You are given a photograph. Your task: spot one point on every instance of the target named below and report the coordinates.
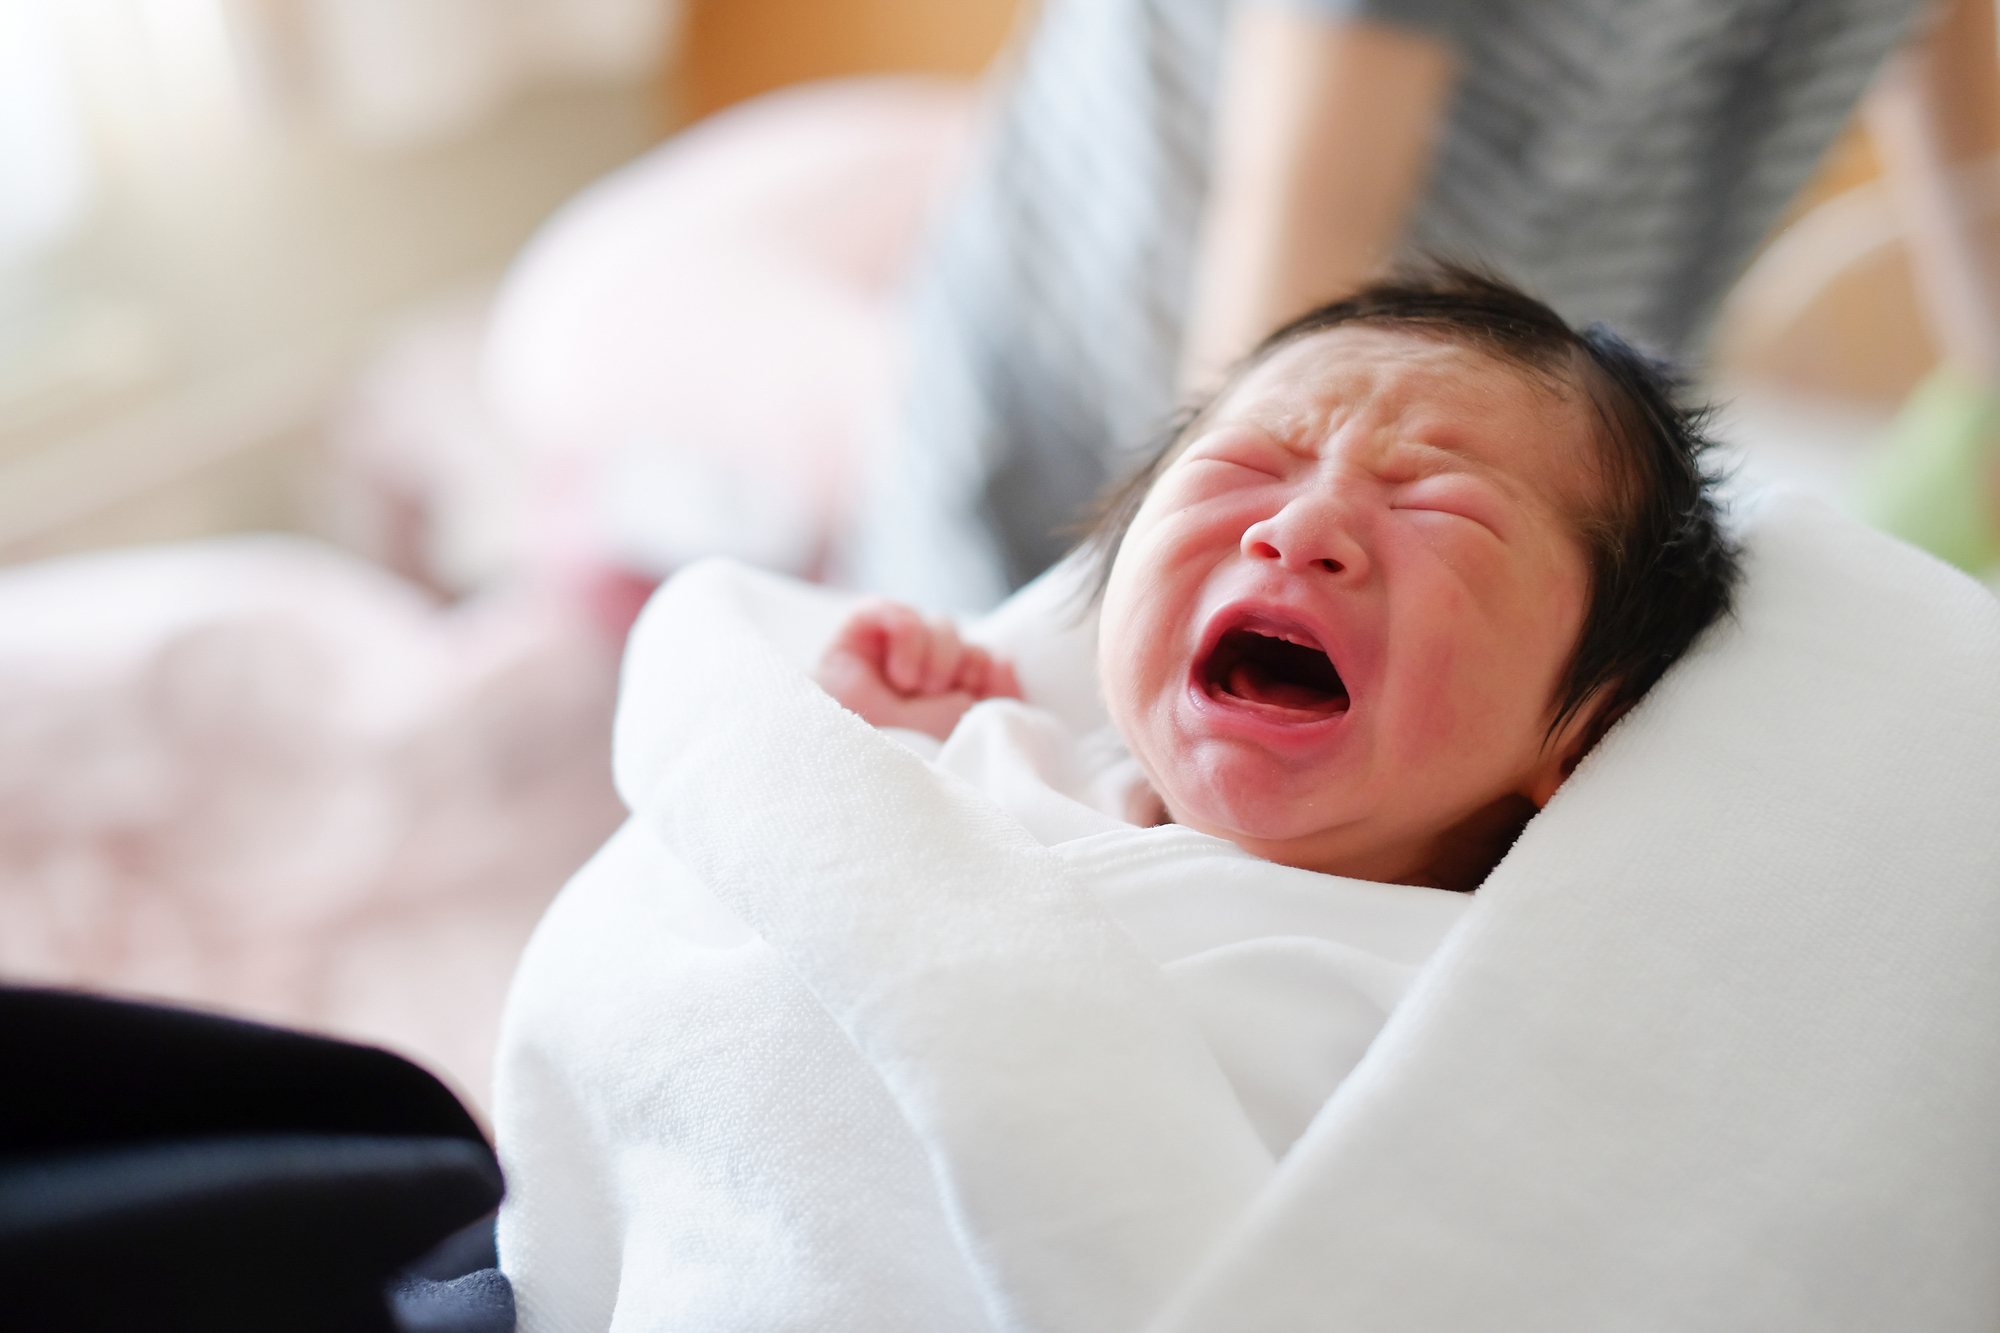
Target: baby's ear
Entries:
(1578, 738)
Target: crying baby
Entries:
(1361, 614)
(1368, 607)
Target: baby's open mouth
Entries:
(1274, 672)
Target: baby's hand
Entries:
(897, 669)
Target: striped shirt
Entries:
(1621, 159)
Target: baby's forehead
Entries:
(1423, 387)
(1418, 372)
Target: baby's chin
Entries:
(1236, 790)
(1306, 838)
(1457, 858)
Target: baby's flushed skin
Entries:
(1352, 614)
(1336, 627)
(897, 669)
(1396, 507)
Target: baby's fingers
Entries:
(976, 669)
(1001, 683)
(970, 676)
(947, 658)
(907, 648)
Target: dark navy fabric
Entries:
(464, 1251)
(167, 1170)
(479, 1302)
(457, 1287)
(87, 1071)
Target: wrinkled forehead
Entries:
(1537, 426)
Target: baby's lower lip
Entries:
(1237, 697)
(1295, 735)
(1267, 710)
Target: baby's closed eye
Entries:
(1250, 450)
(1453, 496)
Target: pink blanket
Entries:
(258, 775)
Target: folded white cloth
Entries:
(1284, 977)
(1287, 974)
(826, 1039)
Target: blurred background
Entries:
(364, 363)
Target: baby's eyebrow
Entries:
(1302, 427)
(1291, 432)
(1299, 436)
(1287, 423)
(1433, 458)
(1441, 457)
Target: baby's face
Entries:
(1335, 629)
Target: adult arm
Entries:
(1935, 113)
(1935, 117)
(1324, 132)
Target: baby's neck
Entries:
(1458, 859)
(1463, 856)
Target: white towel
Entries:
(824, 1039)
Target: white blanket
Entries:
(826, 1040)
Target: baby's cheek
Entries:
(1434, 706)
(1467, 700)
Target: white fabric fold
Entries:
(1088, 1146)
(826, 1039)
(1719, 1045)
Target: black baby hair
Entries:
(1662, 567)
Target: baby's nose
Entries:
(1307, 534)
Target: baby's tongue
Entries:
(1251, 681)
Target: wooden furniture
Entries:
(734, 49)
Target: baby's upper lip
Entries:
(1275, 619)
(1278, 621)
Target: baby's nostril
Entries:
(1329, 565)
